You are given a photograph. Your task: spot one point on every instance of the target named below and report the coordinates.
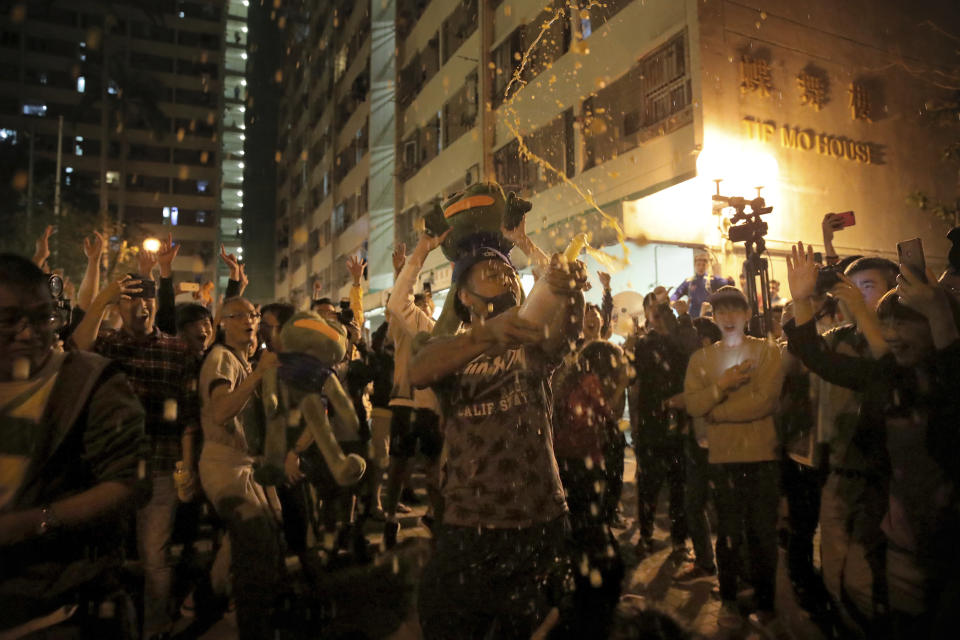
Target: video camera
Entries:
(61, 305)
(753, 228)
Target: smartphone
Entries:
(844, 219)
(185, 287)
(344, 303)
(911, 255)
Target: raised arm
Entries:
(43, 249)
(567, 320)
(402, 310)
(93, 248)
(851, 372)
(85, 335)
(606, 305)
(518, 236)
(356, 266)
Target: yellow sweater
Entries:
(740, 426)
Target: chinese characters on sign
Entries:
(755, 76)
(813, 90)
(859, 102)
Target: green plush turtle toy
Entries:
(296, 397)
(474, 218)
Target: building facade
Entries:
(150, 95)
(636, 107)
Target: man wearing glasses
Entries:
(160, 370)
(72, 449)
(232, 419)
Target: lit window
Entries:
(112, 88)
(244, 55)
(240, 165)
(201, 217)
(174, 215)
(113, 177)
(166, 213)
(244, 29)
(8, 135)
(239, 194)
(183, 15)
(243, 81)
(34, 109)
(69, 169)
(81, 84)
(202, 186)
(43, 78)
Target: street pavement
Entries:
(695, 604)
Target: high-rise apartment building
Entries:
(151, 94)
(637, 107)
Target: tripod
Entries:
(755, 267)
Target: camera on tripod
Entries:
(753, 228)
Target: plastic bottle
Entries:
(542, 302)
(181, 479)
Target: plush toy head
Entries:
(475, 216)
(307, 332)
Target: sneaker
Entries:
(692, 571)
(729, 617)
(390, 531)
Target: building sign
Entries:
(755, 76)
(824, 144)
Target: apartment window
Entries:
(652, 99)
(8, 135)
(460, 112)
(34, 109)
(113, 177)
(506, 60)
(598, 13)
(552, 143)
(201, 217)
(459, 26)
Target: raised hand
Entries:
(244, 280)
(399, 257)
(681, 306)
(604, 279)
(356, 265)
(517, 235)
(566, 278)
(43, 247)
(802, 272)
(231, 261)
(121, 288)
(428, 243)
(94, 245)
(923, 297)
(168, 251)
(850, 295)
(146, 260)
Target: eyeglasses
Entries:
(13, 321)
(246, 316)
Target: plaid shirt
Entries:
(163, 374)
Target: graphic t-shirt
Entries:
(22, 404)
(501, 471)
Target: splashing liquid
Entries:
(512, 120)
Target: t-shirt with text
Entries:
(501, 471)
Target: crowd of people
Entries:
(134, 415)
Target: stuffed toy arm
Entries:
(346, 470)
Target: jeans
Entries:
(746, 495)
(154, 531)
(658, 462)
(696, 496)
(478, 578)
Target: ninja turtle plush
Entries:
(301, 388)
(478, 211)
(474, 218)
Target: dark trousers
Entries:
(657, 462)
(478, 580)
(613, 460)
(295, 503)
(696, 496)
(802, 486)
(746, 496)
